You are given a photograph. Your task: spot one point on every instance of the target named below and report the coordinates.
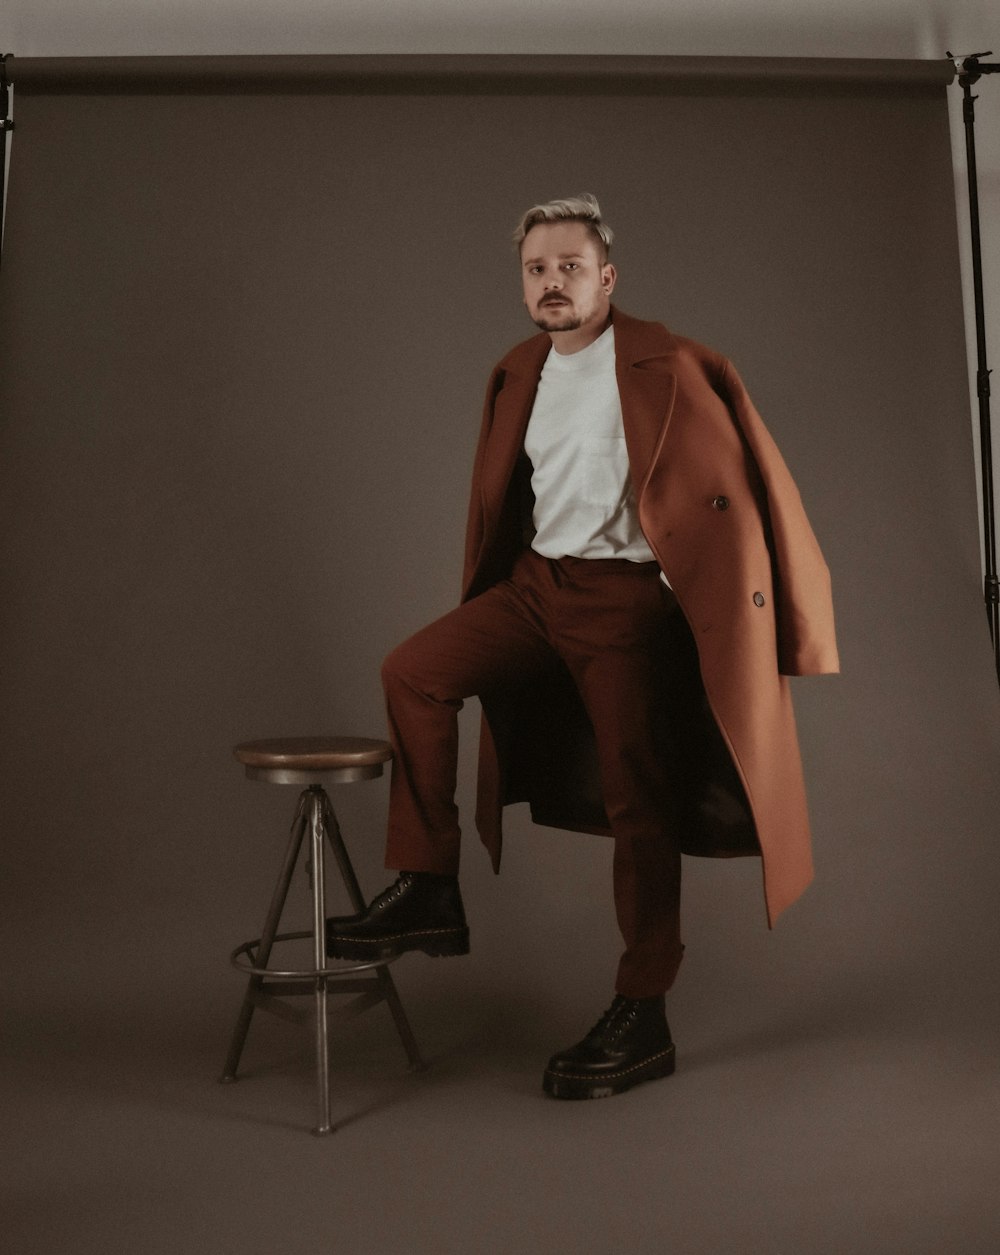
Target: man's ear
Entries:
(608, 277)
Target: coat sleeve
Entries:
(804, 611)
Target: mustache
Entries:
(553, 299)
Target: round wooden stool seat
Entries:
(302, 759)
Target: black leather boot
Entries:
(628, 1044)
(419, 911)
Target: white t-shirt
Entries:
(584, 502)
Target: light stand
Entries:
(6, 125)
(970, 69)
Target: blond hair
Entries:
(583, 208)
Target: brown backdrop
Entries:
(248, 311)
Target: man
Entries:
(640, 577)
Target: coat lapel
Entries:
(647, 387)
(511, 412)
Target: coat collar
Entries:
(643, 364)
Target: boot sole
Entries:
(580, 1085)
(437, 942)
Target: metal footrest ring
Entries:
(300, 973)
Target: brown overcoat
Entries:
(722, 516)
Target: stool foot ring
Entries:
(298, 973)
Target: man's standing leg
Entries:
(614, 624)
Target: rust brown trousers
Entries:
(604, 621)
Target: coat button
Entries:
(758, 599)
(720, 503)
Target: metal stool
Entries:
(307, 761)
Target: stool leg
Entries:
(399, 1017)
(386, 983)
(317, 828)
(267, 940)
(340, 852)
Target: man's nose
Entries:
(553, 281)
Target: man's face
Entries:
(567, 284)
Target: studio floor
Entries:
(810, 1114)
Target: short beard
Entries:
(569, 324)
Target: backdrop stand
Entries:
(6, 125)
(969, 71)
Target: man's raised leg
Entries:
(488, 643)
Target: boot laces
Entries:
(616, 1019)
(392, 892)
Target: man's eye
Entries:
(571, 265)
